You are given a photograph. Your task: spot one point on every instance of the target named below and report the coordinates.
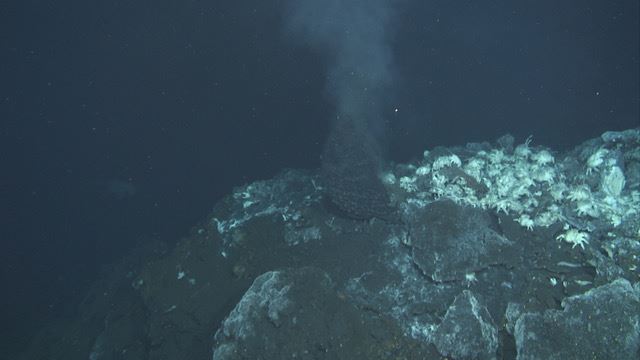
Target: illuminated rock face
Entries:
(350, 166)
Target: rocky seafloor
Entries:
(504, 250)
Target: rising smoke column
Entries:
(354, 38)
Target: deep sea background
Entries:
(123, 122)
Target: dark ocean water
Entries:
(124, 122)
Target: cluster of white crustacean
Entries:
(526, 183)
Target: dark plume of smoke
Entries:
(353, 37)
